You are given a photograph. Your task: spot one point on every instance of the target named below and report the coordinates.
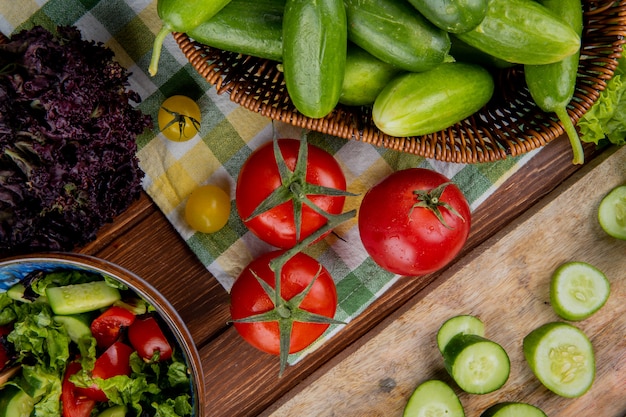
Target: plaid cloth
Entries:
(229, 133)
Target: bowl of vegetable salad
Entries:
(80, 336)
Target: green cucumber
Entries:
(578, 290)
(478, 365)
(16, 292)
(249, 27)
(433, 398)
(81, 298)
(552, 85)
(77, 326)
(115, 411)
(612, 213)
(365, 77)
(513, 409)
(15, 403)
(453, 16)
(181, 16)
(393, 32)
(415, 104)
(465, 53)
(523, 32)
(561, 357)
(314, 54)
(465, 323)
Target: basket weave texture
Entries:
(509, 125)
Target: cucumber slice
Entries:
(81, 298)
(115, 411)
(77, 326)
(15, 403)
(612, 212)
(465, 323)
(434, 398)
(577, 290)
(561, 357)
(513, 409)
(478, 365)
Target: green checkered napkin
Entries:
(228, 135)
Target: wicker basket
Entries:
(511, 124)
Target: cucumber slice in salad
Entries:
(434, 398)
(15, 403)
(81, 298)
(612, 212)
(464, 323)
(578, 290)
(478, 365)
(513, 409)
(561, 357)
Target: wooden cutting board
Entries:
(505, 282)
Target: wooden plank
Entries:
(505, 282)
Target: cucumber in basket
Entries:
(453, 16)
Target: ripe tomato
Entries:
(248, 299)
(113, 362)
(401, 231)
(74, 403)
(259, 177)
(147, 338)
(179, 118)
(207, 209)
(106, 328)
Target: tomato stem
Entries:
(181, 119)
(431, 200)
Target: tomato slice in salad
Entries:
(74, 403)
(113, 362)
(106, 328)
(147, 338)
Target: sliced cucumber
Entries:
(115, 411)
(577, 290)
(434, 398)
(612, 212)
(465, 323)
(77, 326)
(15, 403)
(561, 357)
(16, 292)
(81, 298)
(513, 409)
(478, 365)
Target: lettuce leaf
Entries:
(607, 117)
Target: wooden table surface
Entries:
(241, 381)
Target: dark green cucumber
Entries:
(393, 32)
(552, 85)
(453, 16)
(314, 54)
(466, 53)
(181, 16)
(249, 27)
(523, 32)
(415, 104)
(365, 77)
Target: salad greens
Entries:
(606, 120)
(42, 348)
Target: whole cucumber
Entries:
(365, 77)
(395, 33)
(181, 16)
(552, 85)
(416, 104)
(314, 54)
(249, 27)
(523, 32)
(453, 16)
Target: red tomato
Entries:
(147, 338)
(106, 328)
(405, 237)
(74, 404)
(259, 177)
(248, 298)
(113, 362)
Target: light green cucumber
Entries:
(523, 32)
(513, 409)
(395, 33)
(415, 104)
(115, 411)
(578, 290)
(464, 323)
(434, 398)
(365, 77)
(249, 27)
(15, 403)
(77, 326)
(612, 213)
(314, 54)
(81, 298)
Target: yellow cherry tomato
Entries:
(207, 209)
(179, 118)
